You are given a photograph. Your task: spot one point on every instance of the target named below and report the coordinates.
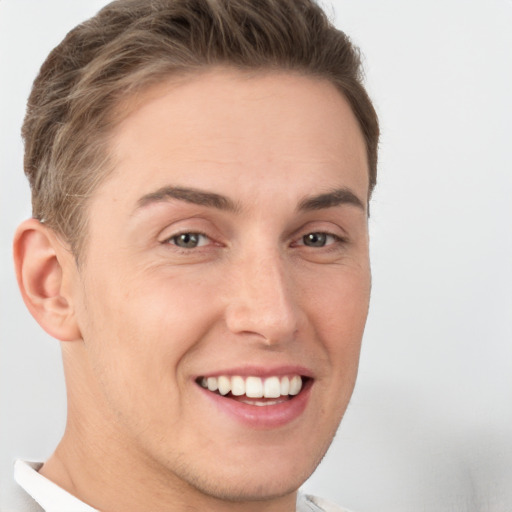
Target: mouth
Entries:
(256, 391)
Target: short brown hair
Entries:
(131, 44)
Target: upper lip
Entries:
(261, 371)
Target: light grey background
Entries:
(430, 425)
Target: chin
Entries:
(263, 473)
(249, 486)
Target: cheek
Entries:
(341, 305)
(138, 331)
(135, 347)
(339, 318)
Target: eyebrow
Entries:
(189, 195)
(331, 199)
(199, 197)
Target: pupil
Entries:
(315, 239)
(187, 240)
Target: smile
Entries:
(246, 388)
(258, 399)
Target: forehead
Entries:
(210, 128)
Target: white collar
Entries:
(48, 495)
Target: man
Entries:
(200, 175)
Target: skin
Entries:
(142, 318)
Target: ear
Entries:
(45, 270)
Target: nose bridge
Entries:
(262, 301)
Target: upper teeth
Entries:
(254, 387)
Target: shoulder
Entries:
(309, 503)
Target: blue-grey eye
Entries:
(188, 240)
(315, 239)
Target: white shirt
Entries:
(49, 497)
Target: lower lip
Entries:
(266, 416)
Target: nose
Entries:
(262, 301)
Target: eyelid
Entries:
(336, 238)
(191, 225)
(325, 226)
(169, 239)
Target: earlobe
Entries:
(43, 268)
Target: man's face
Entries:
(229, 248)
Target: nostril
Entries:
(270, 324)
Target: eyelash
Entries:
(172, 239)
(336, 240)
